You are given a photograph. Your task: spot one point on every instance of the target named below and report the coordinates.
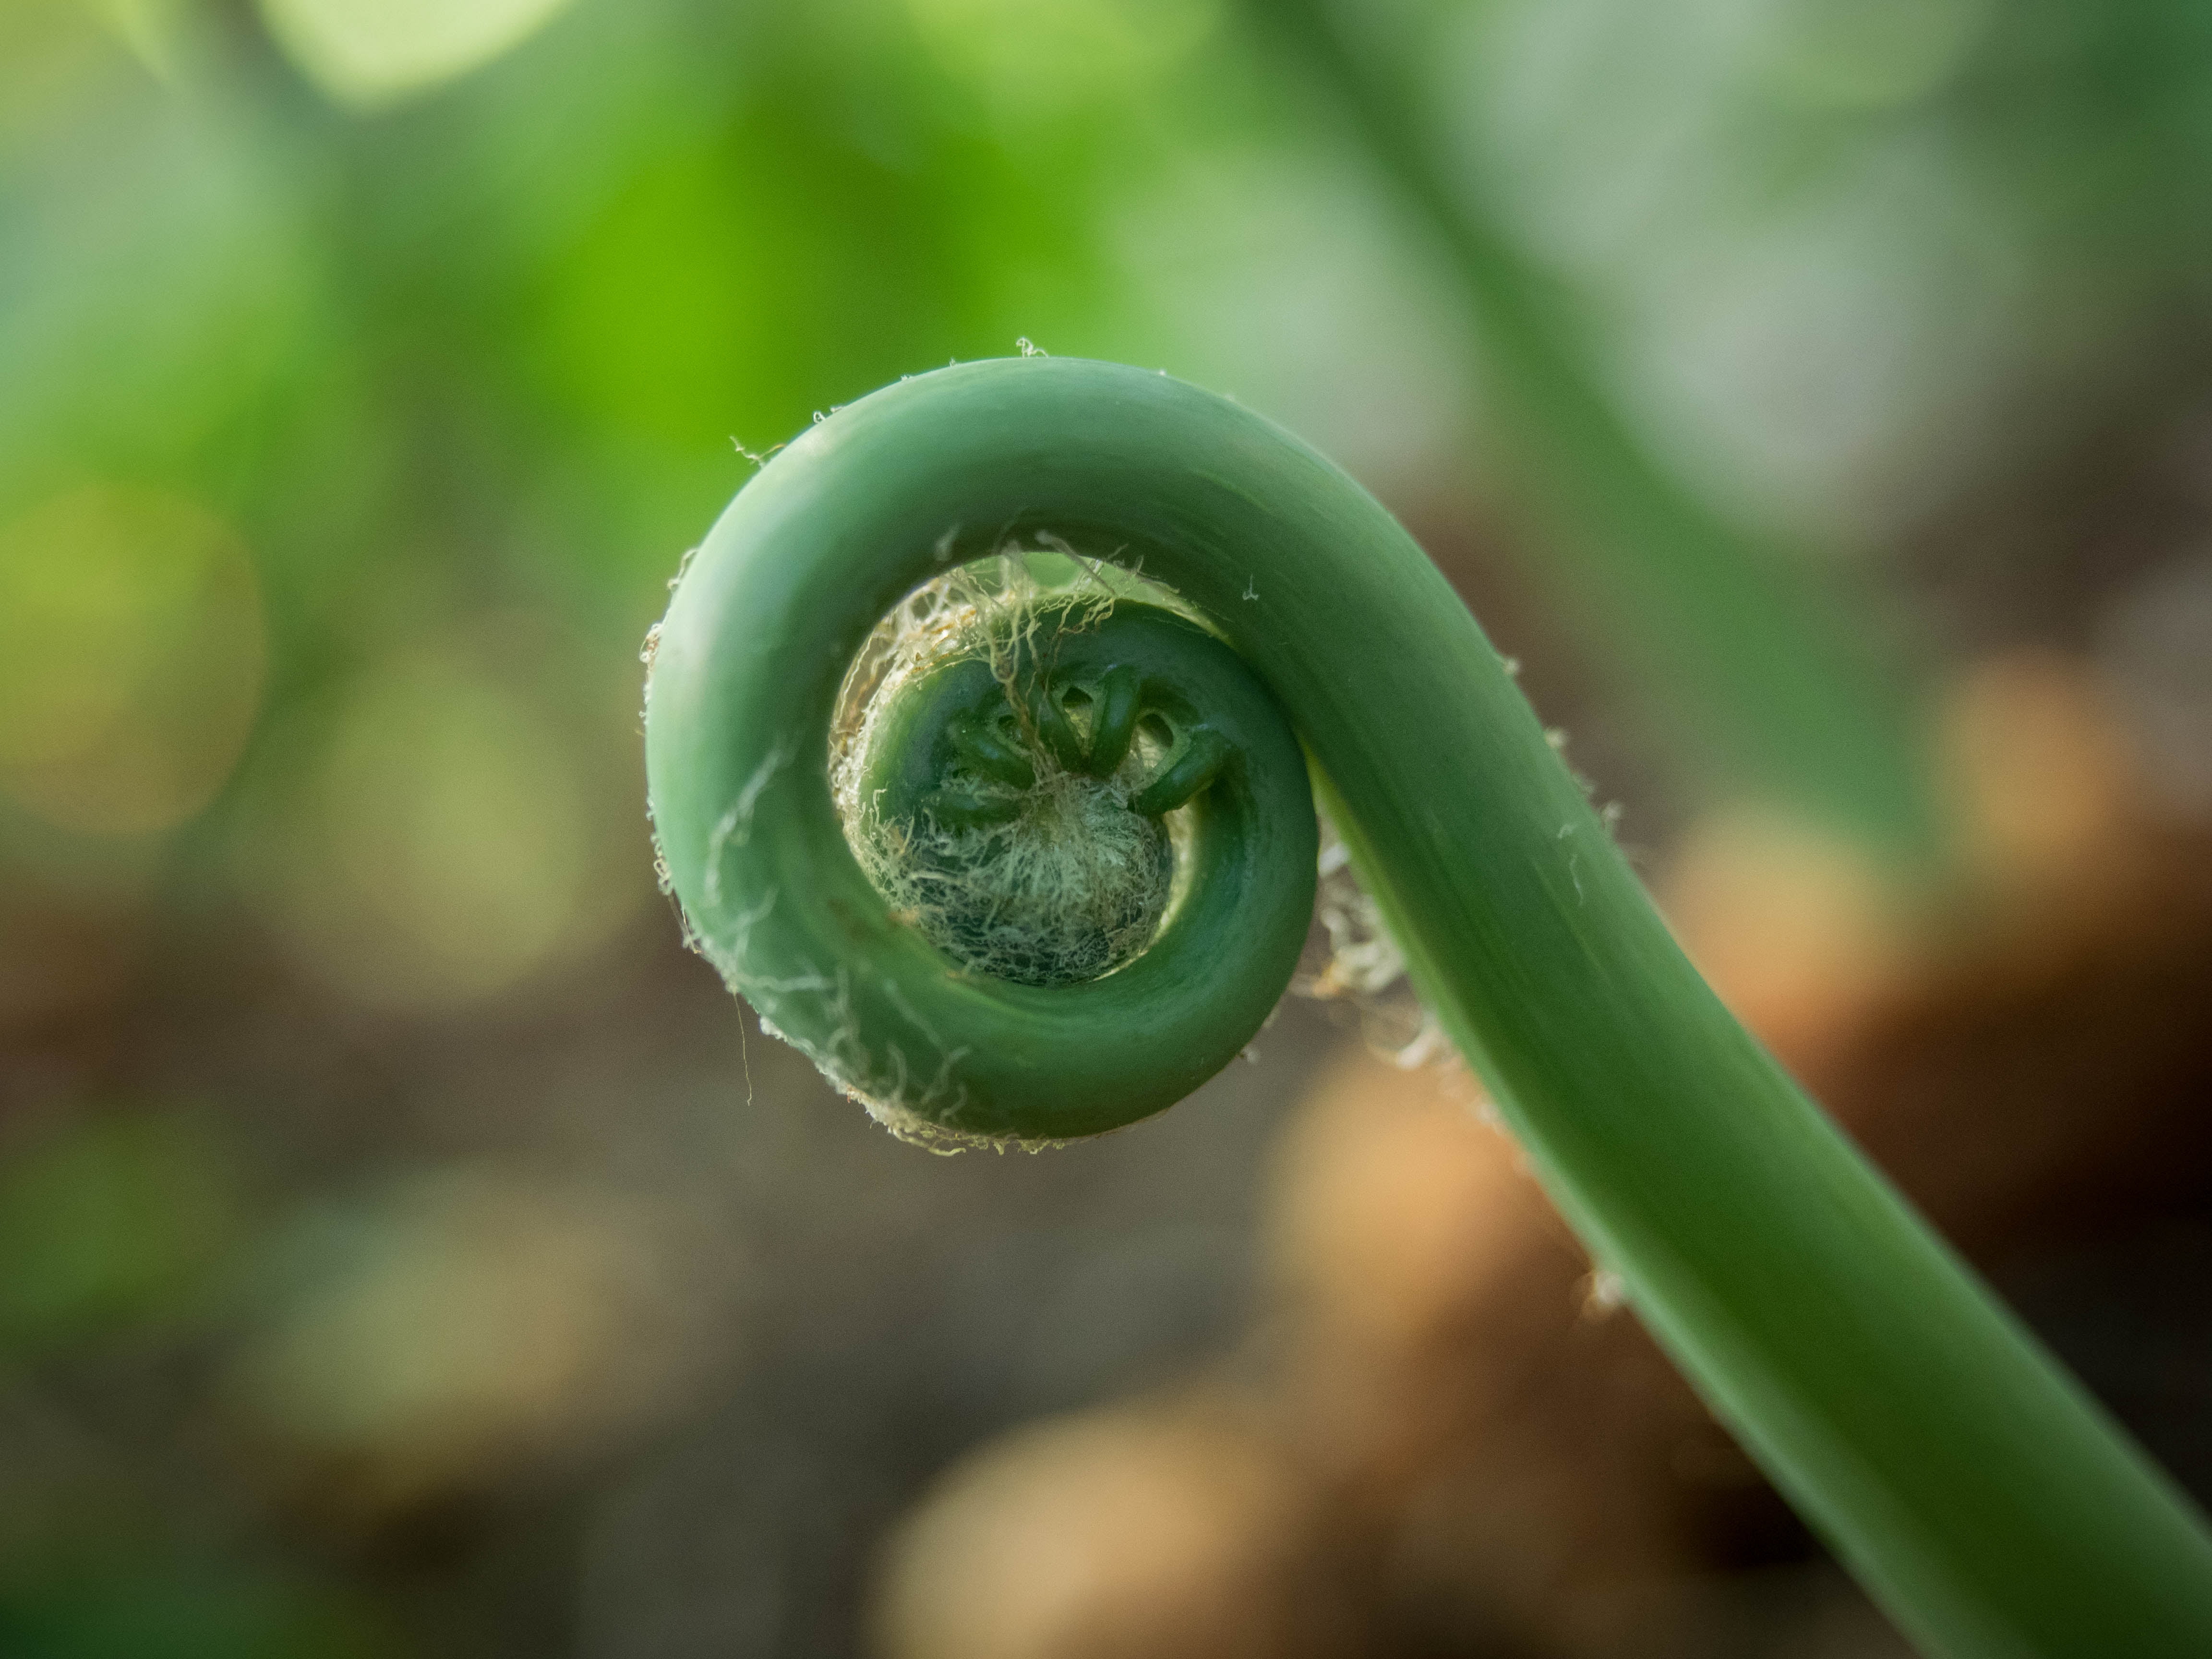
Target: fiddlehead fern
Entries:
(969, 927)
(1964, 1479)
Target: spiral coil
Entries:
(1870, 1373)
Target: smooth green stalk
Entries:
(1972, 1486)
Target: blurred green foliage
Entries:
(174, 1615)
(114, 1226)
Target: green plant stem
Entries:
(1967, 1480)
(1772, 671)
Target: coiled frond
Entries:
(1966, 1480)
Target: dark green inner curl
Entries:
(1007, 810)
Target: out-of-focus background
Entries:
(406, 1250)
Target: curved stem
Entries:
(1970, 1483)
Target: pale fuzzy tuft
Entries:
(1076, 885)
(1071, 890)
